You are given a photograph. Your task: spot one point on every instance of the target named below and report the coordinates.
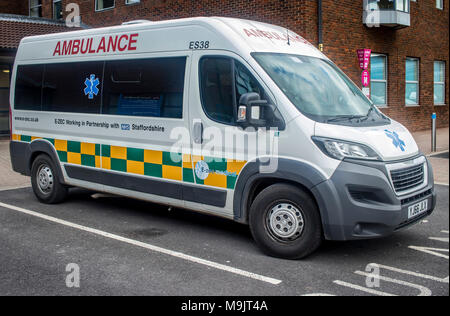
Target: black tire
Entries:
(56, 192)
(264, 222)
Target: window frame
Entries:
(440, 4)
(443, 68)
(53, 7)
(385, 81)
(132, 3)
(417, 82)
(104, 9)
(30, 7)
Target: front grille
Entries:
(407, 178)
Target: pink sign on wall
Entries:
(364, 58)
(365, 78)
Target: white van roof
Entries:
(236, 35)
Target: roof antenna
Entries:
(289, 41)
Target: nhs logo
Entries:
(125, 127)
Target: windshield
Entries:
(318, 88)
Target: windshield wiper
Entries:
(344, 117)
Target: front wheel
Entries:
(44, 180)
(285, 222)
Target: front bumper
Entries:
(359, 202)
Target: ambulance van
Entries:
(146, 110)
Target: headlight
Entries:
(339, 149)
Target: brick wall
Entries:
(427, 38)
(19, 7)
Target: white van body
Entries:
(130, 155)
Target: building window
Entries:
(412, 81)
(57, 9)
(35, 8)
(402, 5)
(440, 4)
(132, 1)
(439, 82)
(399, 5)
(378, 79)
(101, 5)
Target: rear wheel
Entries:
(285, 222)
(44, 180)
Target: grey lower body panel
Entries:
(358, 202)
(179, 191)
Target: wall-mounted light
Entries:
(6, 71)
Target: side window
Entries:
(146, 87)
(28, 87)
(245, 82)
(220, 97)
(216, 82)
(72, 87)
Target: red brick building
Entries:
(410, 40)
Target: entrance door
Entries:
(4, 99)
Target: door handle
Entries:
(198, 132)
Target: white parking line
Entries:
(362, 288)
(146, 246)
(431, 251)
(15, 187)
(443, 239)
(411, 273)
(424, 291)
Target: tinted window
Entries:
(28, 87)
(73, 87)
(216, 82)
(217, 89)
(146, 87)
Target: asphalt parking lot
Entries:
(129, 247)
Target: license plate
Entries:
(417, 209)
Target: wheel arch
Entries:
(251, 182)
(43, 146)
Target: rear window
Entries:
(28, 87)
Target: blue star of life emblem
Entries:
(91, 86)
(396, 141)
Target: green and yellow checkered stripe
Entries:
(158, 164)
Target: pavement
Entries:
(439, 159)
(128, 247)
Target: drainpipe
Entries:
(320, 24)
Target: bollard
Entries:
(433, 132)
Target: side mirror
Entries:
(254, 111)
